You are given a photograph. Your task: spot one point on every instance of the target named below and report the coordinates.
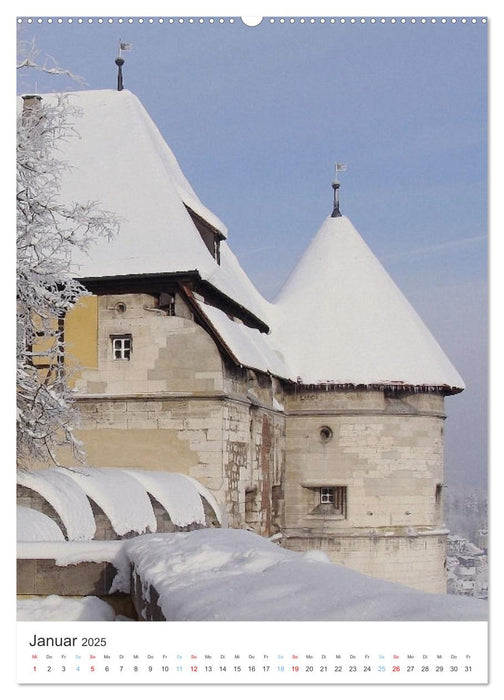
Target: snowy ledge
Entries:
(225, 574)
(65, 553)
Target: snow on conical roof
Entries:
(342, 320)
(120, 160)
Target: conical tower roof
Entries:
(342, 320)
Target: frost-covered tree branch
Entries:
(29, 55)
(48, 230)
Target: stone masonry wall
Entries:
(255, 450)
(386, 452)
(417, 561)
(226, 444)
(168, 353)
(178, 405)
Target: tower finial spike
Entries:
(120, 62)
(338, 168)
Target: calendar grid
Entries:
(252, 652)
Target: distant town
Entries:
(467, 544)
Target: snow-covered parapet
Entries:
(34, 526)
(225, 574)
(65, 496)
(119, 495)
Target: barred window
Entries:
(333, 499)
(326, 495)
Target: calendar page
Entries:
(252, 342)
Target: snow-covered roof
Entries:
(121, 161)
(250, 347)
(339, 319)
(208, 496)
(342, 320)
(65, 496)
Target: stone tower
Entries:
(364, 423)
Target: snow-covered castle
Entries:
(318, 417)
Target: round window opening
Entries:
(120, 307)
(325, 433)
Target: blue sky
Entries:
(257, 118)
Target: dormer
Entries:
(211, 236)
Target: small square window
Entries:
(326, 495)
(121, 347)
(332, 500)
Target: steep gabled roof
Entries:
(342, 320)
(121, 161)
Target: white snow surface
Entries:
(119, 495)
(249, 346)
(231, 279)
(208, 496)
(341, 319)
(65, 496)
(176, 493)
(225, 574)
(34, 526)
(122, 495)
(54, 608)
(121, 161)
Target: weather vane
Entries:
(338, 168)
(123, 46)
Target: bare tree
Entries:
(48, 230)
